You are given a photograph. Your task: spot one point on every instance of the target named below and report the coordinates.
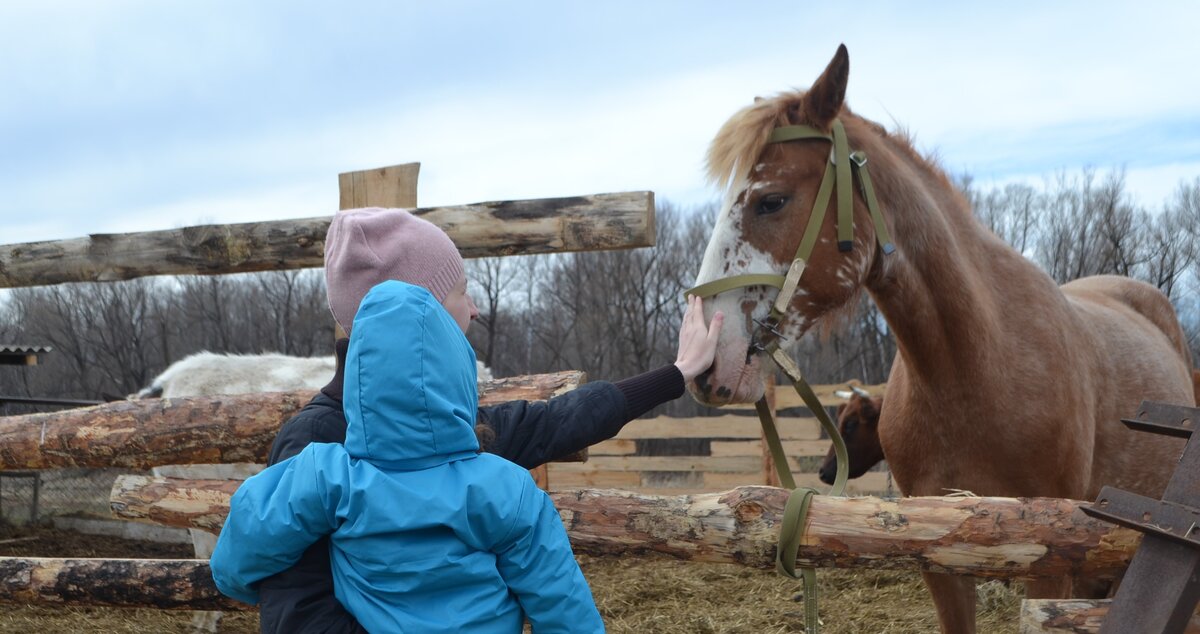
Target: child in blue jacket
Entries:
(428, 534)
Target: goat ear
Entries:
(824, 100)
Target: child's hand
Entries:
(697, 342)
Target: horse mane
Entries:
(741, 140)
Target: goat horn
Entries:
(859, 391)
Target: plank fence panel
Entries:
(731, 448)
(729, 426)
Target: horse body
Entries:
(1004, 383)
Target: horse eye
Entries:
(771, 203)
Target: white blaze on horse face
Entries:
(733, 377)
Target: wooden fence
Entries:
(675, 456)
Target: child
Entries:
(428, 534)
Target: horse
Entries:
(858, 423)
(1004, 383)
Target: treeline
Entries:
(612, 314)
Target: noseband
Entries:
(843, 164)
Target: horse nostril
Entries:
(702, 381)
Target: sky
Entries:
(130, 115)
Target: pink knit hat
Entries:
(365, 247)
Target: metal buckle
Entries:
(859, 158)
(757, 342)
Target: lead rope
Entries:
(795, 512)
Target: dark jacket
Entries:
(529, 433)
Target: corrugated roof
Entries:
(19, 349)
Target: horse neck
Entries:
(943, 290)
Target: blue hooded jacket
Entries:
(428, 534)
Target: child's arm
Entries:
(273, 517)
(536, 562)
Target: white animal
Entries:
(209, 374)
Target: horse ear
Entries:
(824, 100)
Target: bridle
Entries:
(839, 174)
(842, 163)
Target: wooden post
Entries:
(393, 187)
(1160, 590)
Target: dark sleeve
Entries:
(531, 433)
(300, 599)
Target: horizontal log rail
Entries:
(1072, 616)
(550, 225)
(987, 537)
(166, 584)
(200, 430)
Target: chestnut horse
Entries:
(1004, 383)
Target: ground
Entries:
(645, 596)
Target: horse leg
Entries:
(954, 598)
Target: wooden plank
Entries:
(614, 447)
(754, 448)
(727, 464)
(593, 479)
(748, 427)
(551, 225)
(708, 464)
(788, 398)
(392, 186)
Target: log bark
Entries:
(167, 584)
(1071, 616)
(201, 430)
(987, 537)
(550, 225)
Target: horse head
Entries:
(771, 158)
(858, 422)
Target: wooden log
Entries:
(200, 430)
(167, 584)
(550, 225)
(988, 537)
(1071, 616)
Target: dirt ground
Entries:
(634, 595)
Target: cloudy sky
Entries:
(130, 115)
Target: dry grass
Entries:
(646, 596)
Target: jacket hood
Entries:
(410, 397)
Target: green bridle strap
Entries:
(864, 179)
(737, 281)
(845, 196)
